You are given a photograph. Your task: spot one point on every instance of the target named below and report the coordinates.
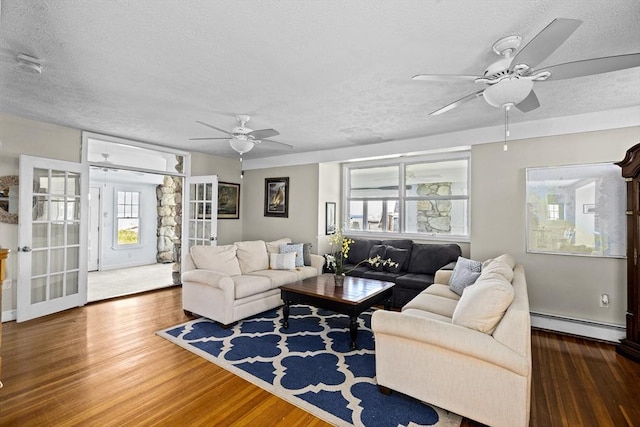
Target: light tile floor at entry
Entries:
(127, 281)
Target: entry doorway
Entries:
(132, 231)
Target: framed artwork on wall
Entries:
(276, 197)
(330, 218)
(228, 200)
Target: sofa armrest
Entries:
(442, 277)
(208, 277)
(317, 261)
(454, 338)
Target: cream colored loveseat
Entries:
(460, 352)
(232, 282)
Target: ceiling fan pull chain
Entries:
(506, 126)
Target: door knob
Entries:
(24, 249)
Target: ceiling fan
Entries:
(509, 81)
(241, 138)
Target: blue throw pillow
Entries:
(465, 273)
(297, 249)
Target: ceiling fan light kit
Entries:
(509, 91)
(509, 81)
(241, 138)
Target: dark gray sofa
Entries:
(417, 264)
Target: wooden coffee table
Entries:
(355, 296)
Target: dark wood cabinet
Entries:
(630, 346)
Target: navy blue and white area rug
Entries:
(310, 364)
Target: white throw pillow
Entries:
(217, 258)
(252, 256)
(282, 261)
(482, 305)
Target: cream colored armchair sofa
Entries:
(232, 282)
(468, 354)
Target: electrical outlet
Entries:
(604, 300)
(6, 285)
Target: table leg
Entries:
(285, 315)
(387, 304)
(353, 330)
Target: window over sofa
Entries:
(417, 196)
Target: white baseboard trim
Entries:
(8, 316)
(585, 328)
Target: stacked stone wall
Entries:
(434, 216)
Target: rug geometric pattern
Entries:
(309, 364)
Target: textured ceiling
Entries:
(325, 74)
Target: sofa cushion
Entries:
(385, 276)
(432, 303)
(247, 285)
(401, 244)
(499, 267)
(427, 258)
(482, 305)
(398, 256)
(274, 246)
(306, 252)
(217, 258)
(294, 249)
(252, 256)
(282, 261)
(465, 273)
(376, 251)
(417, 282)
(511, 262)
(359, 250)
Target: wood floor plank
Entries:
(103, 365)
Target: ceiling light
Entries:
(30, 63)
(509, 91)
(241, 145)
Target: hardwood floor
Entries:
(103, 365)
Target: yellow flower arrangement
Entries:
(335, 260)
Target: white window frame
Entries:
(402, 162)
(117, 218)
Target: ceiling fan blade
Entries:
(529, 103)
(275, 142)
(443, 77)
(204, 139)
(264, 133)
(546, 42)
(457, 103)
(212, 127)
(593, 66)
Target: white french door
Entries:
(52, 237)
(202, 214)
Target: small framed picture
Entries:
(330, 218)
(228, 200)
(276, 197)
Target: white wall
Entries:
(228, 170)
(114, 257)
(23, 136)
(558, 285)
(302, 223)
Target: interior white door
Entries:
(52, 237)
(95, 213)
(202, 205)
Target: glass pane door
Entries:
(52, 237)
(203, 211)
